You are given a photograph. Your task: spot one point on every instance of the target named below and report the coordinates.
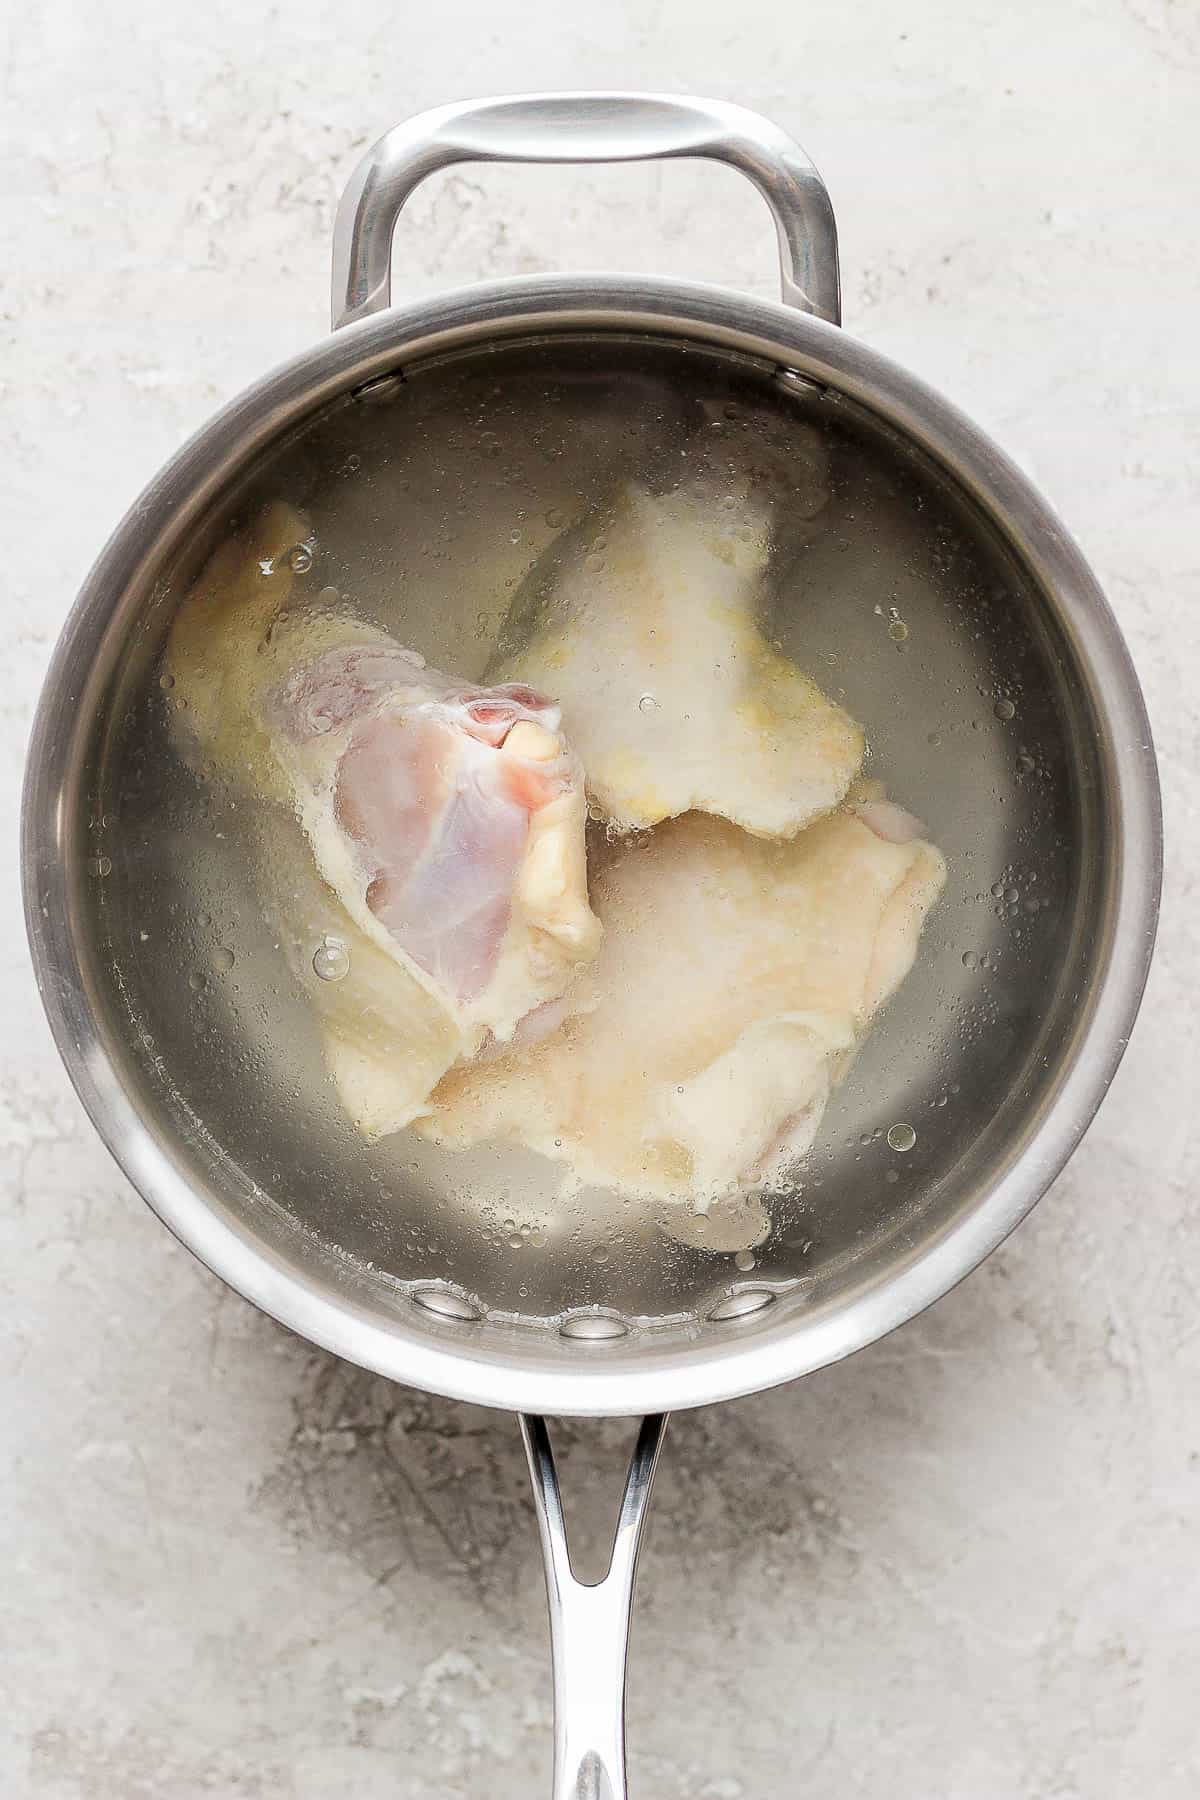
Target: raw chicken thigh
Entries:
(648, 634)
(446, 820)
(735, 980)
(422, 856)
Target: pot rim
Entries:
(765, 1349)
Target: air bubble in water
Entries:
(970, 960)
(223, 960)
(746, 1260)
(99, 865)
(197, 981)
(166, 682)
(555, 517)
(331, 961)
(1004, 709)
(647, 704)
(901, 1137)
(897, 631)
(300, 559)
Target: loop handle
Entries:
(584, 128)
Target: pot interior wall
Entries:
(430, 496)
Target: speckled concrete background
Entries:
(962, 1566)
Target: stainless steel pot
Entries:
(1066, 1009)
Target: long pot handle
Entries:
(589, 1623)
(584, 128)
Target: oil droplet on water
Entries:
(300, 559)
(902, 1137)
(647, 704)
(99, 865)
(1004, 709)
(223, 960)
(746, 1260)
(331, 961)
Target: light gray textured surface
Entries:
(962, 1566)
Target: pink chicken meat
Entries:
(440, 788)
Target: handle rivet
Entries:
(445, 1303)
(594, 1327)
(740, 1304)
